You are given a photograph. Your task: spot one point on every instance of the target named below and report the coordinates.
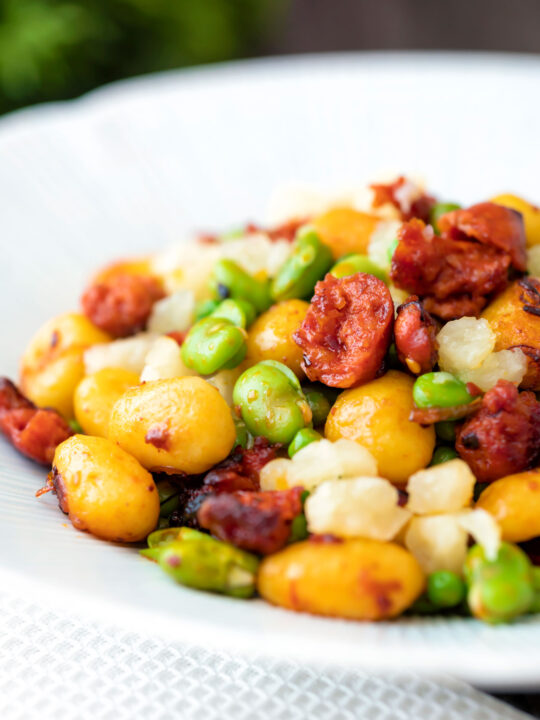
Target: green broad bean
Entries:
(446, 589)
(501, 589)
(204, 308)
(239, 312)
(303, 437)
(230, 280)
(438, 210)
(440, 389)
(207, 564)
(214, 344)
(442, 455)
(171, 534)
(351, 264)
(446, 430)
(309, 261)
(271, 401)
(319, 404)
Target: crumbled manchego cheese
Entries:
(317, 462)
(364, 507)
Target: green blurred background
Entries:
(57, 49)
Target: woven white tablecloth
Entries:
(55, 665)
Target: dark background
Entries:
(57, 49)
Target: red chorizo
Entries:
(240, 471)
(503, 438)
(420, 207)
(256, 521)
(35, 433)
(347, 330)
(489, 224)
(121, 305)
(452, 276)
(415, 335)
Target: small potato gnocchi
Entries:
(95, 396)
(104, 490)
(317, 462)
(444, 488)
(514, 502)
(356, 579)
(176, 425)
(52, 364)
(376, 415)
(270, 336)
(364, 507)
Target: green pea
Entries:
(271, 401)
(392, 249)
(230, 280)
(214, 344)
(243, 436)
(446, 430)
(239, 312)
(319, 404)
(438, 210)
(500, 589)
(442, 455)
(445, 589)
(303, 437)
(205, 308)
(74, 425)
(207, 564)
(309, 261)
(351, 264)
(440, 389)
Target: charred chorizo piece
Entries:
(396, 194)
(415, 335)
(35, 433)
(453, 276)
(240, 471)
(121, 305)
(347, 330)
(489, 224)
(503, 438)
(256, 521)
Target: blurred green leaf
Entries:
(54, 49)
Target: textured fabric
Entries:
(57, 666)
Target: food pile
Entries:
(337, 413)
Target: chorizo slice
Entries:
(33, 432)
(453, 277)
(121, 305)
(255, 521)
(503, 438)
(489, 224)
(415, 335)
(347, 330)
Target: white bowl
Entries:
(138, 164)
